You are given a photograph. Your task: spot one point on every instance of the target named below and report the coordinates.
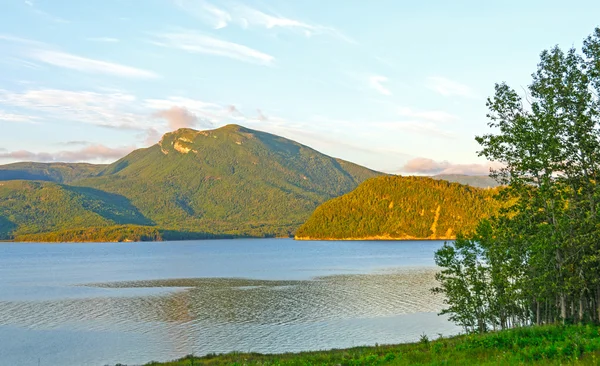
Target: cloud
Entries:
(151, 136)
(69, 61)
(206, 12)
(47, 54)
(247, 17)
(115, 109)
(207, 113)
(11, 117)
(376, 82)
(178, 117)
(194, 42)
(44, 14)
(434, 116)
(432, 167)
(448, 88)
(103, 39)
(96, 152)
(75, 143)
(25, 41)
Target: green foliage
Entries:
(228, 182)
(400, 207)
(37, 207)
(538, 261)
(97, 234)
(52, 172)
(543, 345)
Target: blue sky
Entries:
(398, 86)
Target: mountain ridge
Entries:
(226, 182)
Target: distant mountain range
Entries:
(227, 182)
(481, 181)
(394, 207)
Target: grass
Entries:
(541, 345)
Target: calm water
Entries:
(97, 304)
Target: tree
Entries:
(543, 257)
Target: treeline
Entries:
(34, 207)
(97, 234)
(401, 208)
(538, 261)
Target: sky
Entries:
(397, 86)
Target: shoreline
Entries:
(371, 238)
(541, 344)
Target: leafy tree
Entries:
(543, 258)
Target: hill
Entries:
(395, 207)
(480, 181)
(52, 172)
(227, 182)
(33, 207)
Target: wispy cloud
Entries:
(434, 116)
(448, 88)
(19, 118)
(376, 82)
(35, 9)
(431, 167)
(75, 143)
(103, 39)
(24, 41)
(208, 13)
(194, 42)
(248, 17)
(45, 53)
(94, 152)
(103, 109)
(69, 61)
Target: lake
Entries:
(99, 304)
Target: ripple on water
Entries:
(237, 301)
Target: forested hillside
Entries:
(31, 207)
(227, 182)
(52, 172)
(400, 208)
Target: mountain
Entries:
(480, 181)
(33, 207)
(52, 172)
(227, 182)
(395, 207)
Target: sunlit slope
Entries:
(32, 207)
(394, 207)
(230, 180)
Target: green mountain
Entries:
(480, 181)
(226, 182)
(52, 172)
(33, 207)
(395, 207)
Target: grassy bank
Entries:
(545, 345)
